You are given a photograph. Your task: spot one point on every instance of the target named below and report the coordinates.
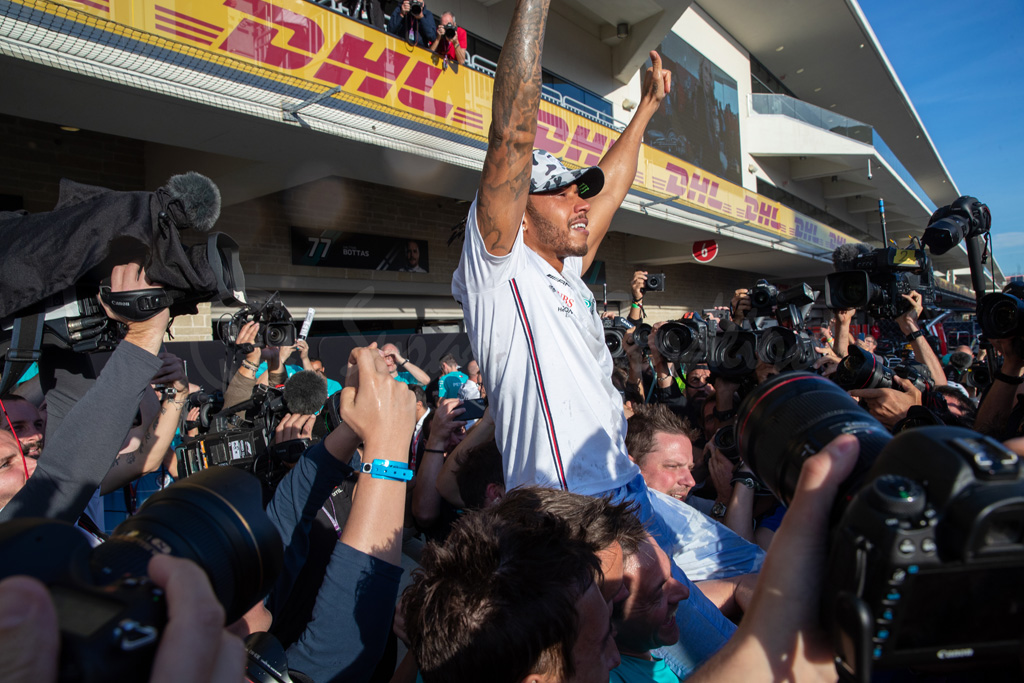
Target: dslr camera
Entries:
(864, 370)
(730, 353)
(416, 8)
(786, 346)
(110, 615)
(615, 333)
(276, 325)
(1001, 314)
(875, 280)
(929, 524)
(449, 30)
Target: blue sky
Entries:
(963, 66)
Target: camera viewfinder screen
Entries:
(82, 613)
(950, 609)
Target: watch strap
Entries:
(1009, 379)
(387, 469)
(916, 334)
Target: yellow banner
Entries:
(298, 39)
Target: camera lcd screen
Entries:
(82, 613)
(950, 609)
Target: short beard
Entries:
(550, 236)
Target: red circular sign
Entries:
(705, 251)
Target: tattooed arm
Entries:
(140, 457)
(620, 163)
(505, 181)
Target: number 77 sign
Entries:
(705, 251)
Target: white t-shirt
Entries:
(539, 341)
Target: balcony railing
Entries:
(783, 105)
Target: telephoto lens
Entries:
(111, 616)
(1001, 316)
(640, 335)
(214, 518)
(794, 415)
(682, 342)
(862, 370)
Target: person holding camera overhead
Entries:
(413, 23)
(451, 40)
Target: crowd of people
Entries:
(594, 522)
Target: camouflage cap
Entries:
(549, 174)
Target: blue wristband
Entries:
(388, 469)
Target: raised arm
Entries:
(620, 162)
(505, 180)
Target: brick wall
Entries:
(261, 226)
(35, 155)
(688, 286)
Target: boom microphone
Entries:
(844, 255)
(199, 197)
(305, 392)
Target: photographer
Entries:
(80, 450)
(923, 352)
(352, 615)
(1001, 412)
(413, 23)
(427, 504)
(451, 40)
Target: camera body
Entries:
(416, 8)
(110, 615)
(877, 279)
(246, 444)
(615, 333)
(655, 282)
(927, 522)
(949, 225)
(730, 353)
(763, 296)
(450, 31)
(922, 538)
(864, 370)
(276, 327)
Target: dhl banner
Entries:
(295, 39)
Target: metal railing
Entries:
(784, 105)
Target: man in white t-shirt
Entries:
(532, 231)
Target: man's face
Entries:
(595, 653)
(412, 254)
(668, 468)
(318, 367)
(473, 370)
(697, 383)
(556, 223)
(28, 426)
(447, 18)
(389, 352)
(868, 343)
(647, 618)
(12, 472)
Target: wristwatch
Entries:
(911, 336)
(746, 481)
(718, 510)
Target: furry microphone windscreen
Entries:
(200, 198)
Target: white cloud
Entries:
(1008, 240)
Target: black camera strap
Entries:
(25, 349)
(137, 304)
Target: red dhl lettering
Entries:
(552, 132)
(255, 40)
(584, 150)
